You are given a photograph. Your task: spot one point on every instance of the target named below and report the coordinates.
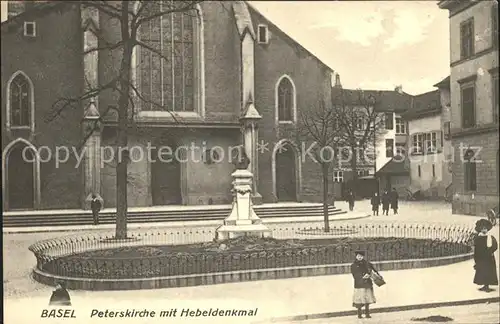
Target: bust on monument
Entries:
(242, 161)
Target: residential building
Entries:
(474, 104)
(429, 143)
(240, 76)
(382, 168)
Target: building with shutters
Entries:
(474, 104)
(383, 169)
(429, 143)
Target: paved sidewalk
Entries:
(320, 296)
(287, 298)
(483, 313)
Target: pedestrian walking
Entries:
(386, 201)
(96, 206)
(350, 199)
(363, 286)
(375, 203)
(485, 246)
(60, 296)
(394, 201)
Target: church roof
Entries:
(276, 30)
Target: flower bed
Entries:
(241, 254)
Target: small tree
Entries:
(359, 124)
(317, 126)
(130, 17)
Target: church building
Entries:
(227, 77)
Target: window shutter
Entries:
(439, 140)
(494, 29)
(389, 122)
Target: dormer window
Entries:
(263, 34)
(29, 29)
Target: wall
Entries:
(380, 149)
(481, 12)
(486, 195)
(200, 181)
(53, 62)
(484, 98)
(478, 65)
(446, 167)
(483, 137)
(431, 185)
(210, 181)
(312, 83)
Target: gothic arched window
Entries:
(20, 101)
(286, 100)
(168, 63)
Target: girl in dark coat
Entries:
(386, 200)
(363, 285)
(375, 203)
(350, 199)
(485, 246)
(394, 200)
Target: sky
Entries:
(373, 45)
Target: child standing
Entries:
(363, 286)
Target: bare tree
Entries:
(360, 123)
(130, 17)
(317, 127)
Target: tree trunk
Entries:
(354, 168)
(122, 132)
(324, 171)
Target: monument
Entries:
(242, 221)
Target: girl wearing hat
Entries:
(485, 246)
(363, 285)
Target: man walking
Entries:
(386, 201)
(350, 199)
(394, 201)
(375, 203)
(96, 206)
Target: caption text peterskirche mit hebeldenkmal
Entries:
(173, 312)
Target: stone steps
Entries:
(46, 218)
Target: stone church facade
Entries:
(234, 78)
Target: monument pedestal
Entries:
(242, 221)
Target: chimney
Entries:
(337, 81)
(399, 89)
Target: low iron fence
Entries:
(169, 252)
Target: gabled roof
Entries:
(426, 104)
(385, 100)
(443, 84)
(283, 35)
(396, 166)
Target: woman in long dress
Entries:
(363, 286)
(485, 246)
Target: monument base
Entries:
(233, 231)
